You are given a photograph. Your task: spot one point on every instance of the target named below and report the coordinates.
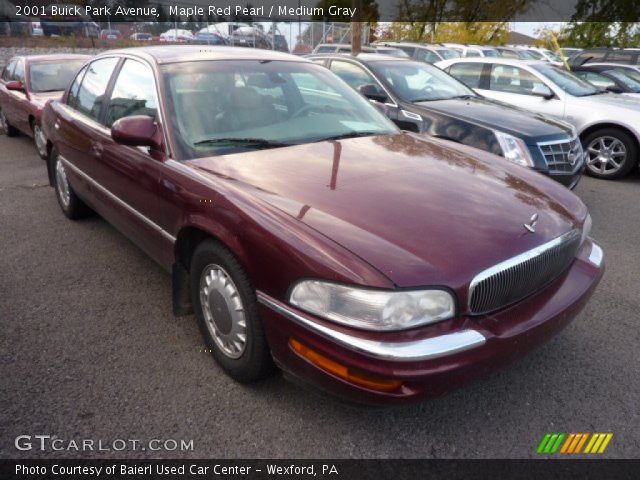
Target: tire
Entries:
(69, 202)
(9, 130)
(610, 153)
(225, 305)
(39, 140)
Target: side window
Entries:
(505, 78)
(352, 74)
(93, 87)
(428, 56)
(134, 93)
(408, 50)
(7, 73)
(468, 73)
(472, 53)
(72, 98)
(18, 73)
(619, 57)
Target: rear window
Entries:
(52, 76)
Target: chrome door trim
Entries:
(118, 200)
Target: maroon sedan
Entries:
(303, 228)
(27, 83)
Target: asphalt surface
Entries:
(89, 349)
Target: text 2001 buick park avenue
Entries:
(302, 226)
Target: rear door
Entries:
(13, 104)
(5, 95)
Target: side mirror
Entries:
(542, 91)
(137, 131)
(372, 93)
(15, 85)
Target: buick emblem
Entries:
(531, 226)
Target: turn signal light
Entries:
(342, 371)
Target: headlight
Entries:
(372, 309)
(586, 228)
(514, 149)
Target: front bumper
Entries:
(434, 359)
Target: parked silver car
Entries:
(608, 124)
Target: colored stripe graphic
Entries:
(572, 443)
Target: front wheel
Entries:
(40, 140)
(69, 202)
(227, 311)
(611, 153)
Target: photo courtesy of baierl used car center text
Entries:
(357, 239)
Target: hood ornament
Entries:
(533, 223)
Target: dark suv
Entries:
(422, 98)
(628, 56)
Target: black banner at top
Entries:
(423, 11)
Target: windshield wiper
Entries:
(353, 134)
(597, 92)
(252, 142)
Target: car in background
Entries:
(77, 25)
(107, 34)
(141, 37)
(512, 52)
(543, 54)
(472, 50)
(26, 85)
(420, 52)
(208, 37)
(178, 35)
(251, 37)
(421, 98)
(36, 29)
(391, 51)
(340, 48)
(569, 52)
(607, 55)
(608, 123)
(300, 225)
(611, 78)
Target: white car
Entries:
(544, 54)
(177, 35)
(608, 124)
(473, 50)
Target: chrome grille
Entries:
(564, 156)
(523, 275)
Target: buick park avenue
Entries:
(306, 231)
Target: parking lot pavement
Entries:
(89, 349)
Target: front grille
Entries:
(564, 156)
(516, 278)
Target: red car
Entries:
(27, 83)
(304, 229)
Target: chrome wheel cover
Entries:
(40, 140)
(223, 311)
(606, 155)
(62, 184)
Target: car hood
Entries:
(422, 211)
(495, 115)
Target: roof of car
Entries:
(500, 60)
(163, 54)
(55, 56)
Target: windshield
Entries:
(419, 82)
(231, 106)
(527, 55)
(52, 76)
(627, 78)
(567, 81)
(536, 55)
(552, 56)
(490, 52)
(448, 53)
